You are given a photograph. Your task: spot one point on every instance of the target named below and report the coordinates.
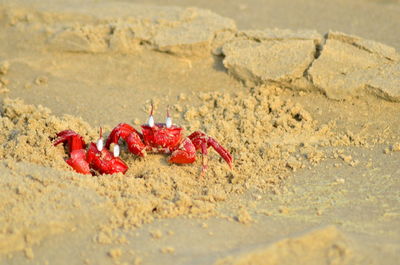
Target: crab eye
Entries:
(150, 122)
(99, 144)
(168, 122)
(116, 150)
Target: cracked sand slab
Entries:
(123, 28)
(281, 34)
(347, 66)
(350, 66)
(270, 61)
(338, 65)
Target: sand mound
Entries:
(326, 244)
(152, 188)
(27, 132)
(35, 179)
(38, 202)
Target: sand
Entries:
(311, 119)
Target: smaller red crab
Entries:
(95, 159)
(168, 139)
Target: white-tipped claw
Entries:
(116, 150)
(151, 121)
(100, 144)
(168, 122)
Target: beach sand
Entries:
(308, 108)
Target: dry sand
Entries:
(312, 120)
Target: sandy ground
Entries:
(370, 19)
(301, 93)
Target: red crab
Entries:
(168, 139)
(95, 159)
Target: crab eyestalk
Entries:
(116, 150)
(168, 122)
(150, 122)
(100, 142)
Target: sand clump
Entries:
(244, 217)
(167, 250)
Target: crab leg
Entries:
(202, 141)
(75, 141)
(204, 156)
(76, 147)
(131, 136)
(221, 151)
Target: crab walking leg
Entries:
(204, 157)
(203, 141)
(131, 136)
(184, 154)
(221, 151)
(76, 147)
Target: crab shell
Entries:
(160, 138)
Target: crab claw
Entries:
(76, 147)
(131, 136)
(202, 141)
(104, 162)
(78, 162)
(74, 140)
(186, 153)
